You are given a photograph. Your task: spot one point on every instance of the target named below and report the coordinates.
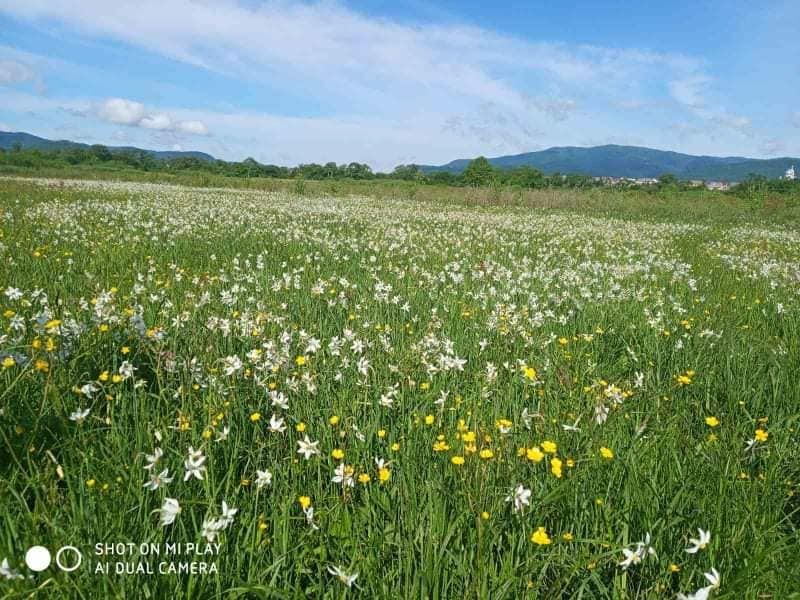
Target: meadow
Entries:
(338, 393)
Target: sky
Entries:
(407, 81)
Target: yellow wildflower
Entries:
(540, 537)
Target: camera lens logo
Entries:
(37, 558)
(68, 558)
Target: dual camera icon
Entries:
(68, 558)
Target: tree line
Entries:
(478, 172)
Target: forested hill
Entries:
(633, 161)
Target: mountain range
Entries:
(633, 161)
(9, 140)
(598, 161)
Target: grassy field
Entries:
(540, 396)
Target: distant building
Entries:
(642, 181)
(790, 174)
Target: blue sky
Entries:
(404, 81)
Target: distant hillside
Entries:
(633, 161)
(9, 139)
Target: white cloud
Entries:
(497, 129)
(119, 110)
(364, 68)
(192, 127)
(558, 109)
(157, 121)
(736, 122)
(690, 90)
(13, 72)
(130, 112)
(692, 93)
(399, 91)
(385, 142)
(358, 62)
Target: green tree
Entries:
(668, 179)
(479, 172)
(443, 178)
(100, 152)
(526, 177)
(407, 172)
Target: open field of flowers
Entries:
(333, 397)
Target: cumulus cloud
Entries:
(158, 121)
(129, 112)
(119, 110)
(192, 127)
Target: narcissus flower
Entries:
(263, 478)
(700, 543)
(520, 497)
(641, 551)
(169, 510)
(307, 448)
(345, 578)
